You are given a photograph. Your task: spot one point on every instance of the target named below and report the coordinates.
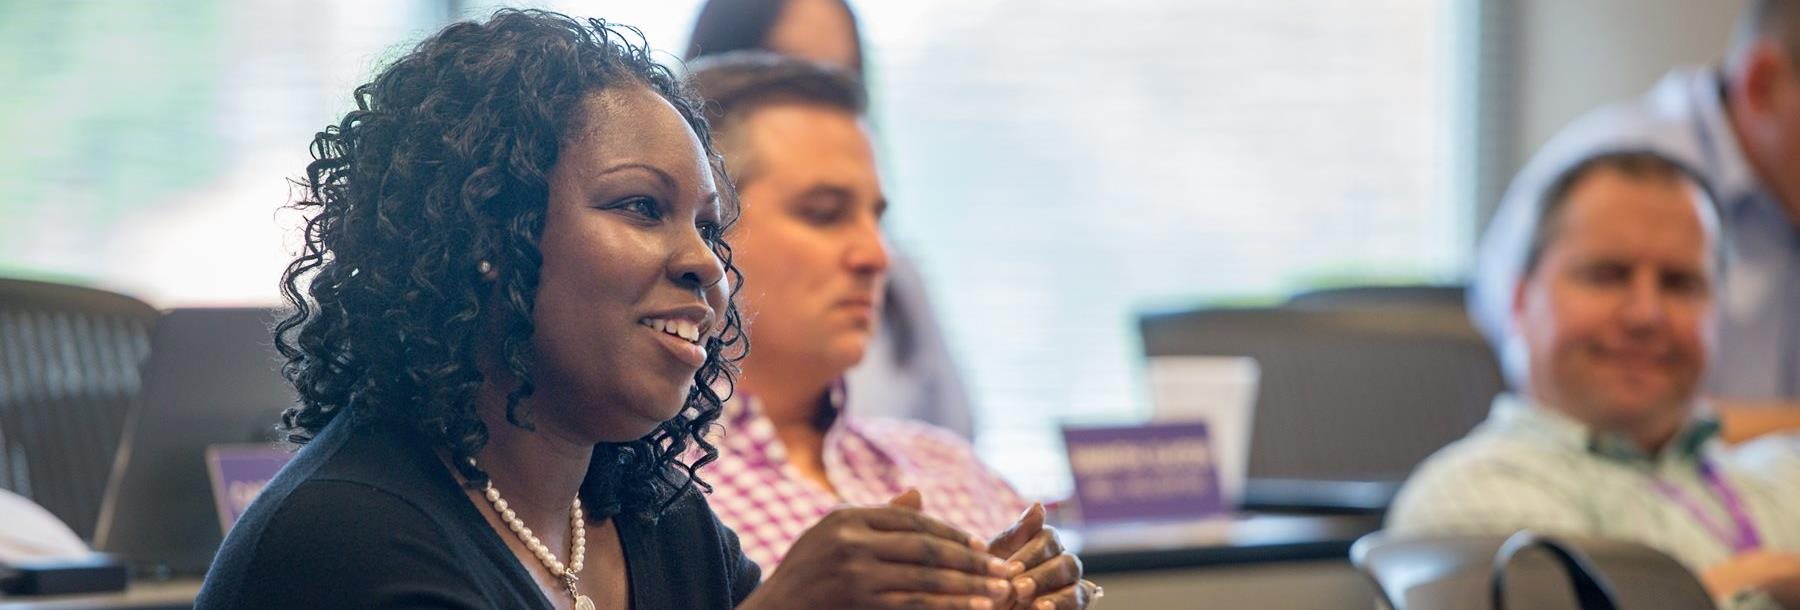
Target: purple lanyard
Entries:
(1745, 538)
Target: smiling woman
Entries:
(512, 320)
(494, 232)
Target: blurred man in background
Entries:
(1613, 310)
(908, 372)
(1738, 127)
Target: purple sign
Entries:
(238, 473)
(1153, 471)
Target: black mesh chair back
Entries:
(1455, 572)
(69, 359)
(1350, 394)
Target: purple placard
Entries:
(238, 473)
(1153, 471)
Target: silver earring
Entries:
(484, 268)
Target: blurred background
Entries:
(1056, 166)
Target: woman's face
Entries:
(809, 241)
(628, 289)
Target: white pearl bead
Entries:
(578, 534)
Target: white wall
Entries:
(1573, 55)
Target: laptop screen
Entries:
(212, 377)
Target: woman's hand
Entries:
(1045, 576)
(884, 557)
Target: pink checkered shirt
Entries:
(869, 460)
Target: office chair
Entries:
(1403, 295)
(69, 359)
(1446, 572)
(1346, 393)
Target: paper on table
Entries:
(30, 533)
(1219, 390)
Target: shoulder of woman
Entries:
(690, 520)
(331, 543)
(688, 509)
(320, 518)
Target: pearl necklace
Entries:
(578, 544)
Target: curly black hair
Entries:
(445, 164)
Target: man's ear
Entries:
(1763, 71)
(1518, 300)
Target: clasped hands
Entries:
(895, 556)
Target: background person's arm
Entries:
(1742, 420)
(1739, 581)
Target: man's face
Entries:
(808, 240)
(1617, 316)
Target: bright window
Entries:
(1059, 165)
(1055, 165)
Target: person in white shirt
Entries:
(1607, 432)
(1737, 125)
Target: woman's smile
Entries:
(683, 335)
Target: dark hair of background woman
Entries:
(445, 164)
(740, 25)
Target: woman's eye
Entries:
(710, 231)
(642, 206)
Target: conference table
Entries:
(1260, 560)
(141, 595)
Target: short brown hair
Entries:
(734, 84)
(1640, 165)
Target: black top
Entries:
(368, 517)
